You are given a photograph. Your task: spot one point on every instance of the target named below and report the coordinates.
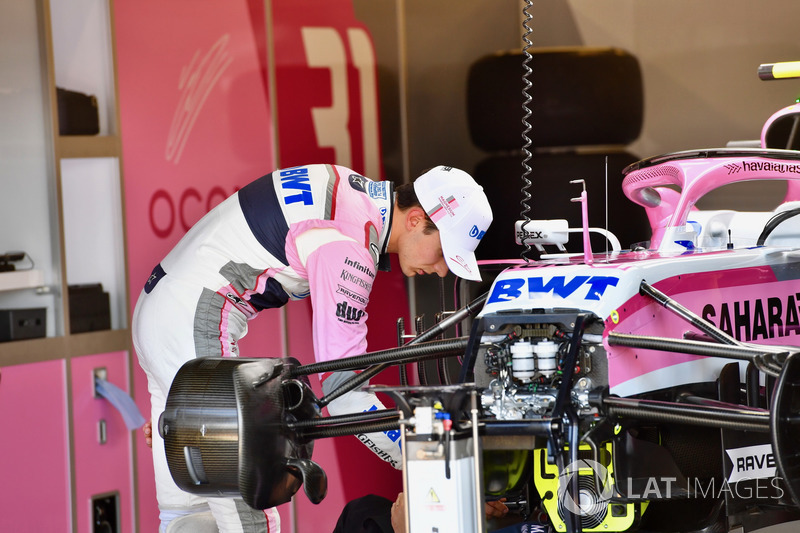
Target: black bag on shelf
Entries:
(89, 308)
(77, 113)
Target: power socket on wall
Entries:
(101, 373)
(105, 513)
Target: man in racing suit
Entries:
(318, 231)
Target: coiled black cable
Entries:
(527, 113)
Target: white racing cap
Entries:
(459, 208)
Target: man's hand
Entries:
(399, 514)
(147, 429)
(386, 444)
(493, 509)
(496, 509)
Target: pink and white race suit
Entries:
(316, 231)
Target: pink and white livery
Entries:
(663, 377)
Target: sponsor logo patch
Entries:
(348, 314)
(358, 182)
(561, 286)
(445, 207)
(476, 233)
(358, 266)
(378, 189)
(349, 277)
(762, 318)
(460, 260)
(751, 462)
(296, 186)
(344, 291)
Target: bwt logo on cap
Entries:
(477, 233)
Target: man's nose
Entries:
(441, 268)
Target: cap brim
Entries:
(462, 263)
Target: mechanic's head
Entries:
(444, 214)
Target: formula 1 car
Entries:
(665, 377)
(655, 388)
(669, 371)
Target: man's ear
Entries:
(414, 217)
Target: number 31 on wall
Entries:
(325, 48)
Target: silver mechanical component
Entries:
(509, 402)
(580, 396)
(520, 371)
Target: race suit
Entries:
(317, 231)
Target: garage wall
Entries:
(699, 63)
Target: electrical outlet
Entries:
(101, 373)
(105, 513)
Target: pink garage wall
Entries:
(38, 419)
(197, 124)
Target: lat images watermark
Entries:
(592, 497)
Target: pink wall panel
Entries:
(34, 463)
(326, 86)
(194, 117)
(100, 468)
